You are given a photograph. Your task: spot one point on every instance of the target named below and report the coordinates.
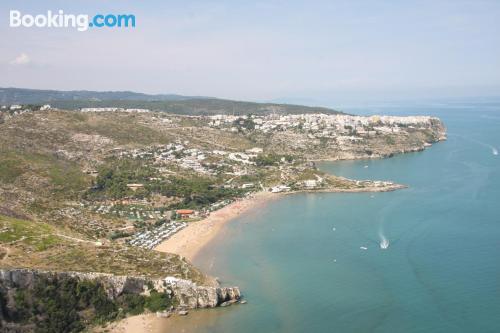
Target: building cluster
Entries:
(377, 183)
(17, 109)
(322, 125)
(178, 153)
(313, 183)
(201, 161)
(280, 188)
(308, 184)
(131, 212)
(149, 239)
(113, 109)
(148, 235)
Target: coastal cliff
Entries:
(22, 293)
(184, 292)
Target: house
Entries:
(310, 183)
(280, 188)
(185, 213)
(247, 185)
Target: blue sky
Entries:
(268, 50)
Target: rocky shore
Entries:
(184, 294)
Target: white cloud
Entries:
(21, 59)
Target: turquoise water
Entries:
(299, 263)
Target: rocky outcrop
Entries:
(185, 293)
(191, 296)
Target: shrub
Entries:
(158, 301)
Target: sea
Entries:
(421, 259)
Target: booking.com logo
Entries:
(82, 22)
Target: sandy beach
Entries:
(189, 241)
(140, 323)
(152, 324)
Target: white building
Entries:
(280, 188)
(310, 183)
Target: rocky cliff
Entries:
(185, 293)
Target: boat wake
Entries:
(494, 150)
(384, 242)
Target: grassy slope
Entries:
(37, 184)
(31, 235)
(47, 248)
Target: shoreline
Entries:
(149, 322)
(139, 323)
(190, 240)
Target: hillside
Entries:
(71, 100)
(76, 171)
(36, 96)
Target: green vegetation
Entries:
(37, 96)
(195, 191)
(167, 102)
(245, 123)
(9, 169)
(37, 236)
(66, 304)
(197, 106)
(271, 159)
(157, 301)
(113, 179)
(64, 177)
(119, 234)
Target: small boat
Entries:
(363, 248)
